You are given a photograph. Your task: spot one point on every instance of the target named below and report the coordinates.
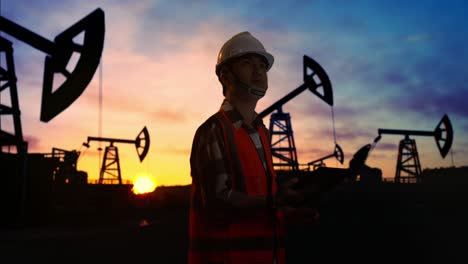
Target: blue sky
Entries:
(392, 64)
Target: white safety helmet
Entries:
(241, 44)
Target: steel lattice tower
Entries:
(8, 80)
(281, 131)
(408, 168)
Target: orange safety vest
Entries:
(230, 236)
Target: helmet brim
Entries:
(267, 56)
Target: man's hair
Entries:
(221, 73)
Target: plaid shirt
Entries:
(208, 161)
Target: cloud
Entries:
(176, 150)
(395, 77)
(418, 37)
(159, 57)
(317, 153)
(34, 143)
(444, 103)
(169, 116)
(433, 103)
(342, 134)
(386, 146)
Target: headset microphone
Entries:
(252, 90)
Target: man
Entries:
(235, 200)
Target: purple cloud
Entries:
(34, 143)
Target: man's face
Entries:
(252, 70)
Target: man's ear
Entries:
(226, 76)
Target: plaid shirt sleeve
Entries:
(209, 167)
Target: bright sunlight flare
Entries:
(143, 184)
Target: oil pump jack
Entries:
(18, 166)
(317, 81)
(337, 153)
(408, 167)
(110, 169)
(322, 178)
(58, 55)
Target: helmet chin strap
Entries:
(252, 90)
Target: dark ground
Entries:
(382, 223)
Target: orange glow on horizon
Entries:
(143, 184)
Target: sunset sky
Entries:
(393, 64)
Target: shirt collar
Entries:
(236, 118)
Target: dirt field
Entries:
(358, 225)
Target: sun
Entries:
(143, 184)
